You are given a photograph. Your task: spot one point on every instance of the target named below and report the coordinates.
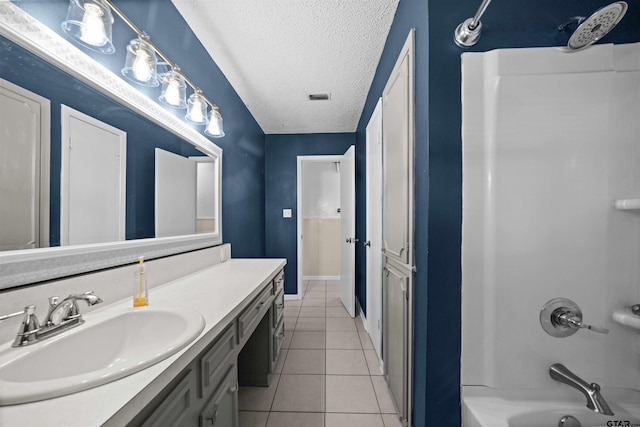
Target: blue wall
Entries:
(439, 165)
(243, 145)
(281, 191)
(410, 14)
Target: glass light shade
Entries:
(140, 63)
(214, 127)
(174, 90)
(196, 109)
(89, 24)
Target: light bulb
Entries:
(214, 127)
(92, 30)
(142, 66)
(196, 112)
(172, 95)
(197, 109)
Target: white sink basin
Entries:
(108, 346)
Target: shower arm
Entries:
(468, 32)
(476, 18)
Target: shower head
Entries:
(596, 26)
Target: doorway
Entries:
(318, 208)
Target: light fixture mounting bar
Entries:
(141, 34)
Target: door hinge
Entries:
(378, 324)
(70, 144)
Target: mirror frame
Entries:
(37, 265)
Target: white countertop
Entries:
(219, 293)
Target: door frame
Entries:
(300, 252)
(348, 240)
(374, 299)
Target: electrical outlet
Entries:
(286, 213)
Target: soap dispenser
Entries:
(140, 291)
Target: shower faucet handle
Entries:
(568, 319)
(562, 317)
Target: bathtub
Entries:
(487, 407)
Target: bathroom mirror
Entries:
(35, 265)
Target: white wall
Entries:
(550, 141)
(321, 219)
(321, 190)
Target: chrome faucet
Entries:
(60, 317)
(595, 401)
(67, 310)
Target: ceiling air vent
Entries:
(319, 97)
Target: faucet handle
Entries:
(28, 328)
(576, 322)
(561, 317)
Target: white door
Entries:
(92, 193)
(373, 242)
(348, 230)
(397, 99)
(24, 139)
(175, 195)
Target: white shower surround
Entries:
(550, 140)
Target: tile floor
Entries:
(327, 374)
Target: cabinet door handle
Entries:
(280, 305)
(260, 304)
(212, 418)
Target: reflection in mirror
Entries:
(24, 170)
(34, 57)
(93, 180)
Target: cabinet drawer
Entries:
(253, 314)
(278, 339)
(175, 409)
(278, 283)
(216, 361)
(278, 308)
(222, 409)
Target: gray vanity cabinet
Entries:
(222, 409)
(277, 332)
(176, 408)
(206, 394)
(259, 354)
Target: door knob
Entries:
(367, 243)
(348, 240)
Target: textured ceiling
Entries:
(277, 52)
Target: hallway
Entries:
(327, 373)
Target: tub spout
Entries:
(595, 401)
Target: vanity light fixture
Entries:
(89, 23)
(141, 63)
(214, 127)
(174, 90)
(197, 109)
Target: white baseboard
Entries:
(291, 296)
(331, 278)
(360, 313)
